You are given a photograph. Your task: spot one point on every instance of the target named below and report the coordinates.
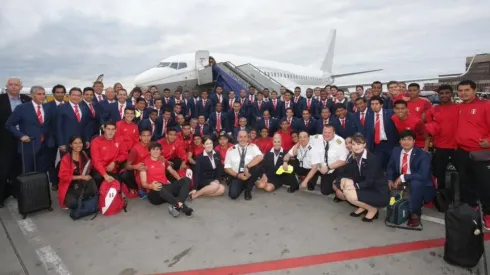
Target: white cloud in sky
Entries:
(72, 42)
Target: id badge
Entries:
(301, 164)
(242, 170)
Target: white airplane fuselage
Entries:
(180, 70)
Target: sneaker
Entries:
(413, 221)
(174, 211)
(429, 204)
(486, 222)
(187, 210)
(142, 194)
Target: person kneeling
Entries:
(362, 182)
(159, 189)
(410, 166)
(273, 159)
(71, 180)
(208, 173)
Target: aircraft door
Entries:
(204, 71)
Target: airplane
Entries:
(183, 70)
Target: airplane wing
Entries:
(354, 73)
(412, 80)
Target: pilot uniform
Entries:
(330, 152)
(233, 160)
(305, 159)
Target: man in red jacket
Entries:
(405, 121)
(127, 131)
(173, 150)
(136, 157)
(473, 153)
(108, 153)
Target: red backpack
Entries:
(111, 198)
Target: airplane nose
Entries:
(149, 77)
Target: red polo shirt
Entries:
(473, 124)
(156, 170)
(414, 124)
(441, 123)
(287, 140)
(173, 150)
(264, 145)
(128, 133)
(222, 151)
(418, 107)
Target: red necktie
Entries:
(306, 123)
(308, 105)
(39, 115)
(121, 110)
(325, 104)
(289, 121)
(166, 100)
(202, 130)
(267, 124)
(218, 122)
(354, 109)
(362, 118)
(243, 101)
(274, 102)
(342, 122)
(260, 104)
(325, 122)
(377, 130)
(236, 119)
(404, 164)
(77, 113)
(100, 98)
(252, 98)
(295, 100)
(230, 103)
(204, 103)
(91, 109)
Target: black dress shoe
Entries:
(354, 214)
(375, 217)
(311, 188)
(248, 195)
(292, 190)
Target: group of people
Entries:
(359, 148)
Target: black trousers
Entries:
(176, 163)
(173, 193)
(237, 186)
(473, 180)
(75, 190)
(302, 172)
(98, 178)
(129, 179)
(10, 169)
(441, 159)
(326, 186)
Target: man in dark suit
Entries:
(325, 119)
(98, 88)
(115, 111)
(72, 120)
(59, 93)
(410, 166)
(287, 103)
(94, 111)
(298, 102)
(361, 114)
(381, 133)
(306, 124)
(202, 129)
(310, 103)
(230, 101)
(258, 108)
(152, 124)
(291, 119)
(167, 101)
(204, 105)
(219, 97)
(10, 162)
(30, 123)
(218, 121)
(234, 116)
(276, 106)
(268, 123)
(344, 122)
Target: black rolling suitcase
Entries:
(34, 192)
(464, 244)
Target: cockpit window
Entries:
(174, 65)
(163, 64)
(182, 65)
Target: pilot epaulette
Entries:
(339, 141)
(317, 136)
(309, 147)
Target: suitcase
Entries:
(34, 192)
(464, 245)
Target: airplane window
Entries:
(163, 64)
(174, 65)
(182, 65)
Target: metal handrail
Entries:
(232, 66)
(259, 70)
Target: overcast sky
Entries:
(72, 42)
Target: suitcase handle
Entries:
(23, 155)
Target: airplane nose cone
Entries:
(151, 76)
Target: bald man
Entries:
(10, 162)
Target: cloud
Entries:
(72, 42)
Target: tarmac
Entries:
(280, 233)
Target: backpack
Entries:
(111, 198)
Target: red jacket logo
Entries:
(473, 111)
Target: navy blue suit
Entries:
(168, 105)
(277, 111)
(297, 107)
(258, 112)
(93, 121)
(301, 126)
(231, 119)
(96, 99)
(273, 126)
(53, 152)
(213, 122)
(68, 126)
(294, 123)
(350, 126)
(25, 116)
(384, 149)
(420, 178)
(204, 109)
(314, 107)
(189, 108)
(112, 112)
(319, 124)
(206, 131)
(224, 101)
(357, 118)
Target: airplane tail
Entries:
(100, 78)
(328, 61)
